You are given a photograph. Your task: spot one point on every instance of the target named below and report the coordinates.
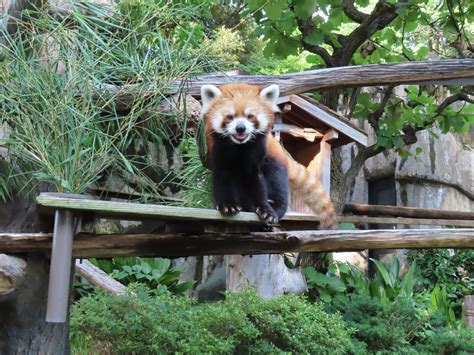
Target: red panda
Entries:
(251, 171)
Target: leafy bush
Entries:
(452, 270)
(388, 315)
(154, 273)
(387, 284)
(381, 326)
(242, 323)
(400, 326)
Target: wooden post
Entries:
(60, 270)
(469, 310)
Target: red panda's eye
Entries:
(229, 117)
(250, 117)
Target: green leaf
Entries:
(324, 295)
(146, 268)
(315, 38)
(255, 4)
(422, 53)
(335, 284)
(383, 272)
(274, 9)
(304, 8)
(410, 26)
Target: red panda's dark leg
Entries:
(225, 193)
(264, 210)
(276, 177)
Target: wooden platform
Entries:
(191, 231)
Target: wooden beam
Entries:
(320, 79)
(396, 211)
(48, 203)
(405, 220)
(309, 134)
(99, 278)
(351, 76)
(189, 244)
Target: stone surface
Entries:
(267, 273)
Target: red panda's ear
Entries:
(208, 94)
(271, 94)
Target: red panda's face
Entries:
(239, 111)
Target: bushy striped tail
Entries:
(310, 190)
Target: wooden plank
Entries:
(309, 134)
(438, 71)
(405, 220)
(99, 278)
(131, 211)
(396, 211)
(330, 120)
(174, 245)
(350, 76)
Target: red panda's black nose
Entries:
(240, 128)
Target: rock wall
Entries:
(441, 177)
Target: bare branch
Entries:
(452, 99)
(351, 12)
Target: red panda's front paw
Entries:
(267, 215)
(228, 209)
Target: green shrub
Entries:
(242, 323)
(381, 326)
(447, 342)
(452, 270)
(401, 326)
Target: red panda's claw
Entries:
(266, 216)
(228, 210)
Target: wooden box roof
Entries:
(308, 113)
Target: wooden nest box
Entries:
(308, 131)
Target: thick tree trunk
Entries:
(23, 329)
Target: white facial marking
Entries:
(271, 94)
(263, 122)
(218, 117)
(208, 94)
(216, 121)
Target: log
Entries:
(380, 210)
(12, 272)
(451, 71)
(407, 221)
(193, 244)
(99, 278)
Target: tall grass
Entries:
(61, 80)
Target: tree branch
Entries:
(375, 116)
(323, 53)
(306, 27)
(383, 14)
(452, 99)
(351, 12)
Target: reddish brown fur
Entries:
(240, 96)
